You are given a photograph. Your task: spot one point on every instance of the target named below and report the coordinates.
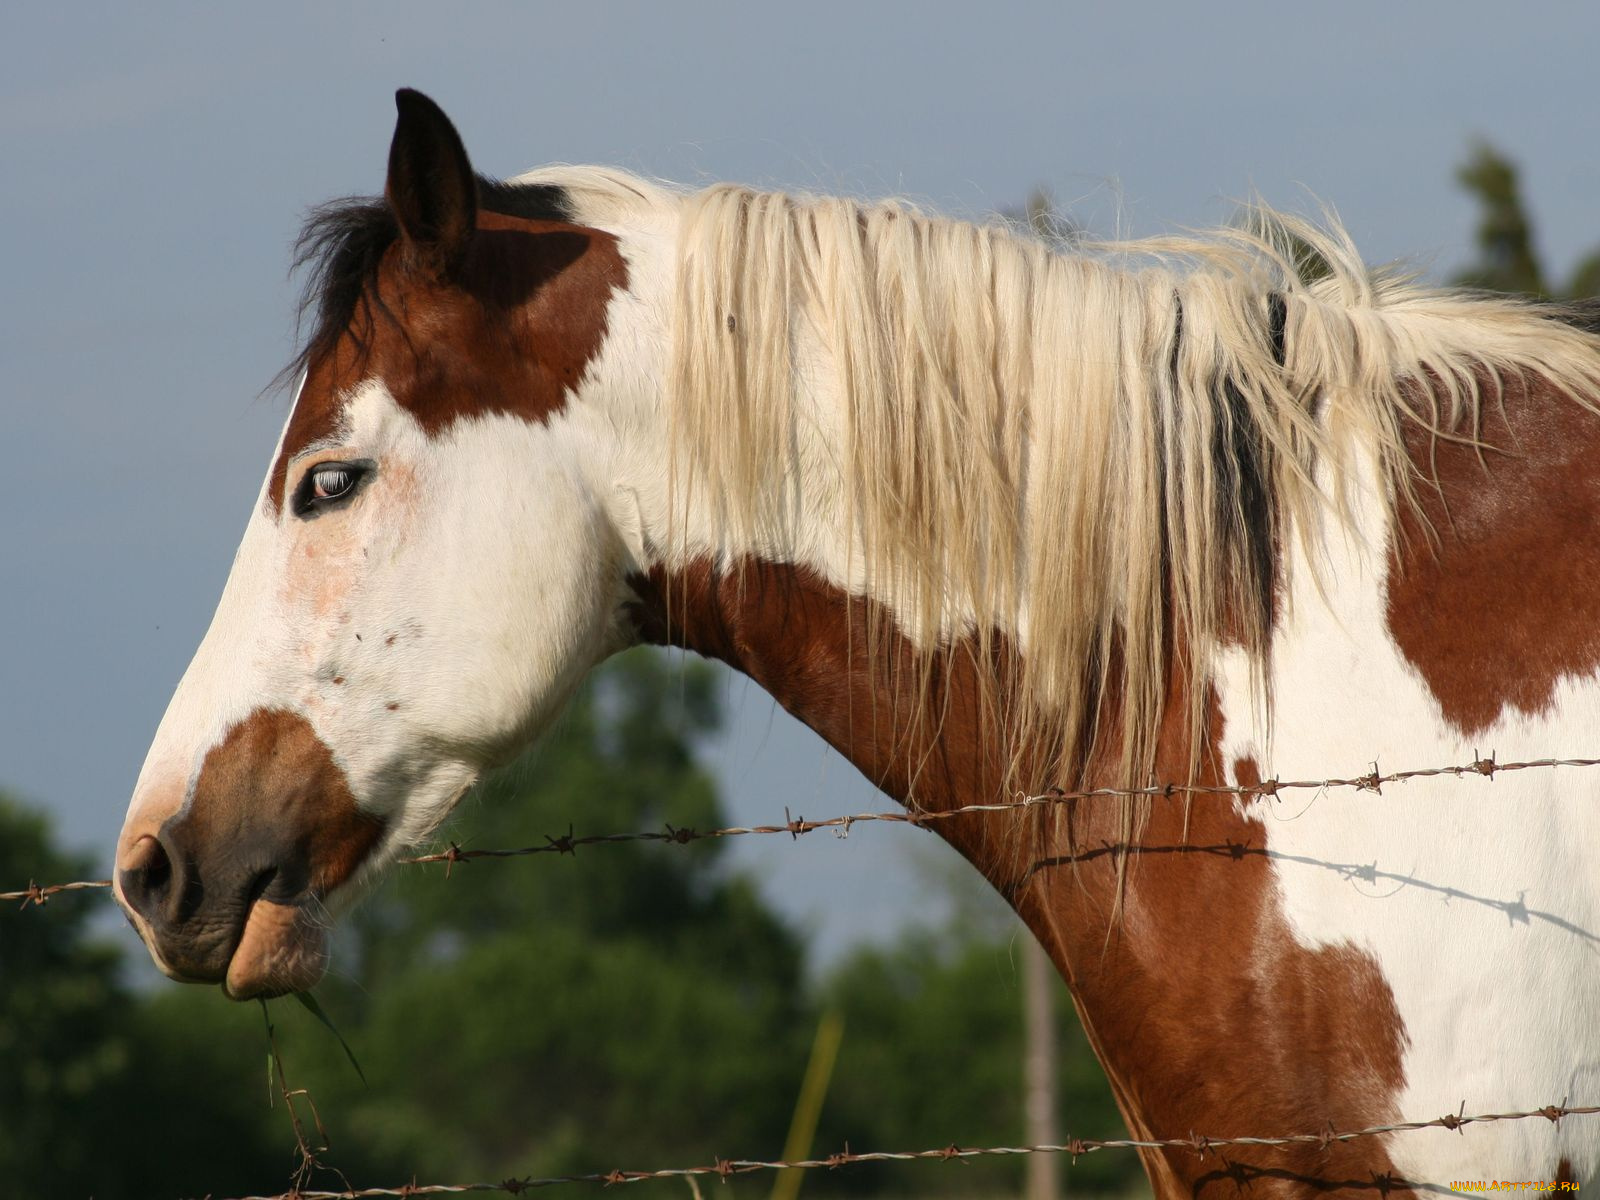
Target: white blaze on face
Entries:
(422, 630)
(425, 629)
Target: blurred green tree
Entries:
(1508, 260)
(102, 1094)
(62, 1019)
(630, 1004)
(932, 1054)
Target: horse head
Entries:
(427, 574)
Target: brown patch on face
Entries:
(270, 820)
(1505, 601)
(1205, 1011)
(271, 790)
(512, 331)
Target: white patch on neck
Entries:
(1478, 899)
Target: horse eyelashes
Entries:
(327, 484)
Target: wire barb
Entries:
(36, 895)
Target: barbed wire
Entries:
(36, 895)
(570, 843)
(1372, 781)
(726, 1168)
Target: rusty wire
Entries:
(36, 895)
(726, 1168)
(1372, 781)
(569, 843)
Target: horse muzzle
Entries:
(230, 888)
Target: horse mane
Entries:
(1084, 463)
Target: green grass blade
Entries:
(309, 1003)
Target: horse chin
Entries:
(283, 949)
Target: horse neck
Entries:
(804, 638)
(919, 725)
(1190, 953)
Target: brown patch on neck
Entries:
(1205, 1011)
(512, 332)
(1494, 585)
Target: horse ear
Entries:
(431, 187)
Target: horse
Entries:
(1001, 520)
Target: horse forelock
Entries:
(342, 244)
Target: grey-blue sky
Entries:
(157, 161)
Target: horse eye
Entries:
(327, 483)
(331, 480)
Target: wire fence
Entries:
(569, 843)
(1486, 768)
(727, 1168)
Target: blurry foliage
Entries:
(62, 1014)
(1507, 258)
(932, 1055)
(104, 1092)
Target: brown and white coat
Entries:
(483, 491)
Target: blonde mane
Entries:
(1086, 460)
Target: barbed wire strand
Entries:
(569, 843)
(726, 1168)
(36, 895)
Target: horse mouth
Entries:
(282, 949)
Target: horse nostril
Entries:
(146, 875)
